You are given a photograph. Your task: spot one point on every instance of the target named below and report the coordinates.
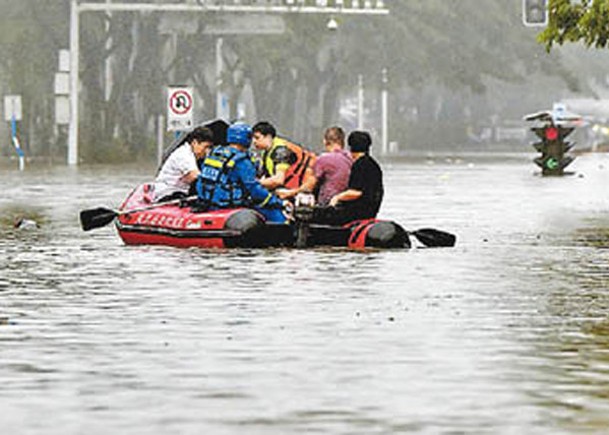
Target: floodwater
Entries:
(508, 332)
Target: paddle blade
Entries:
(96, 218)
(435, 238)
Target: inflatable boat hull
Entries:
(172, 225)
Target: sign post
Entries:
(12, 114)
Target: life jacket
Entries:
(215, 188)
(299, 160)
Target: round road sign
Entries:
(180, 102)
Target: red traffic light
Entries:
(551, 133)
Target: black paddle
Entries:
(433, 238)
(100, 217)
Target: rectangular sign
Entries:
(62, 83)
(62, 109)
(64, 61)
(12, 107)
(180, 103)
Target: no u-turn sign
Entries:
(179, 108)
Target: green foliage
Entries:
(587, 22)
(28, 58)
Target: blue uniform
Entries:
(228, 179)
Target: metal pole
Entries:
(236, 8)
(360, 102)
(219, 68)
(74, 49)
(159, 138)
(17, 144)
(385, 103)
(108, 66)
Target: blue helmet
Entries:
(240, 134)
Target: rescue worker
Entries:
(228, 178)
(283, 163)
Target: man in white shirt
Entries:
(180, 170)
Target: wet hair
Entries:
(200, 134)
(264, 128)
(360, 141)
(335, 135)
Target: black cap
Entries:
(359, 141)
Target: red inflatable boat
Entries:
(141, 222)
(173, 225)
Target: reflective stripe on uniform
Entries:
(217, 163)
(266, 200)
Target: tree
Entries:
(586, 21)
(28, 59)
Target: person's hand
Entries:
(185, 202)
(334, 201)
(288, 209)
(285, 193)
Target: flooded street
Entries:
(508, 332)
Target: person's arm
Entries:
(310, 181)
(260, 195)
(355, 188)
(282, 160)
(346, 196)
(307, 186)
(188, 165)
(276, 180)
(191, 176)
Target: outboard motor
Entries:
(303, 213)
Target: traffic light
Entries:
(535, 12)
(553, 148)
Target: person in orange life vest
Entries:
(283, 163)
(331, 169)
(180, 170)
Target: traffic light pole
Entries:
(77, 7)
(553, 148)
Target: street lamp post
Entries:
(385, 113)
(360, 102)
(74, 66)
(289, 6)
(220, 104)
